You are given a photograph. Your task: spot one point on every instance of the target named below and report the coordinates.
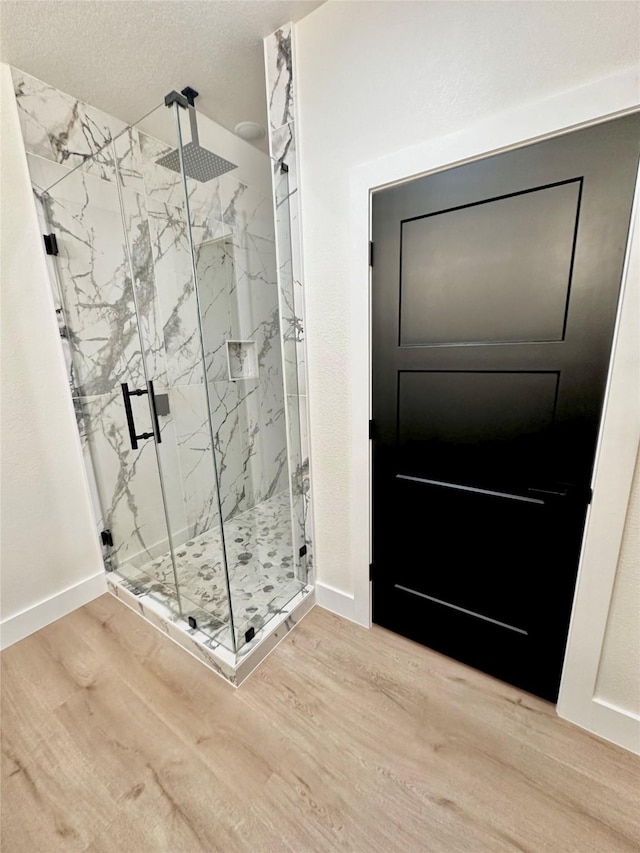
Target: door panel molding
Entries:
(601, 100)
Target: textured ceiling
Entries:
(123, 56)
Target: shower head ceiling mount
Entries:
(199, 163)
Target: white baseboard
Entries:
(603, 719)
(336, 601)
(18, 627)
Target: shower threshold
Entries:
(267, 598)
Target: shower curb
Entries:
(232, 667)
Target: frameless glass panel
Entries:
(232, 230)
(101, 324)
(291, 339)
(175, 361)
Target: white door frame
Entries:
(607, 98)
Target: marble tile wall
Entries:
(279, 51)
(102, 276)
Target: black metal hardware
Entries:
(192, 622)
(372, 430)
(250, 634)
(106, 537)
(175, 98)
(303, 551)
(284, 168)
(154, 412)
(190, 94)
(162, 404)
(137, 392)
(370, 253)
(50, 244)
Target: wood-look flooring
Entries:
(114, 739)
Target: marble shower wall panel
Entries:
(267, 445)
(160, 184)
(307, 493)
(299, 480)
(175, 292)
(95, 280)
(280, 72)
(255, 317)
(279, 65)
(197, 476)
(248, 214)
(43, 173)
(61, 128)
(127, 480)
(215, 271)
(289, 246)
(148, 313)
(228, 401)
(128, 157)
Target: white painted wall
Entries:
(377, 77)
(50, 559)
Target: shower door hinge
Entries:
(372, 430)
(50, 244)
(370, 253)
(107, 538)
(303, 551)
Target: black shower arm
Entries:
(191, 95)
(193, 121)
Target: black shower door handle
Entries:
(154, 411)
(138, 392)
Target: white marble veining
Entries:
(279, 70)
(58, 127)
(95, 279)
(127, 480)
(279, 63)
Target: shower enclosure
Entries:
(182, 374)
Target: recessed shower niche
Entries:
(169, 300)
(242, 359)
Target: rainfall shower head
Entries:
(199, 163)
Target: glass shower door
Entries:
(232, 235)
(183, 371)
(124, 288)
(100, 324)
(175, 362)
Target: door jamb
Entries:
(604, 99)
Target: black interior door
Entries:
(494, 294)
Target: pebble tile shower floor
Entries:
(261, 570)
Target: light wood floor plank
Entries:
(116, 740)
